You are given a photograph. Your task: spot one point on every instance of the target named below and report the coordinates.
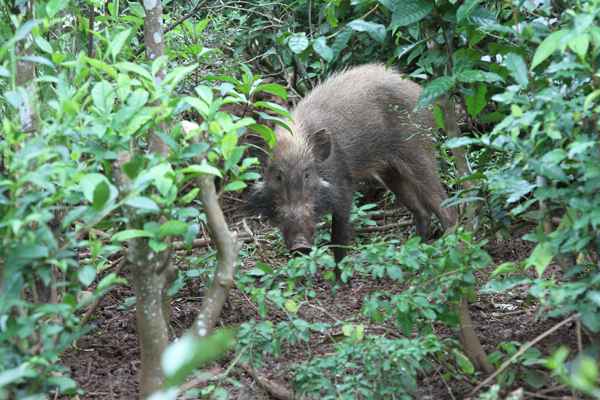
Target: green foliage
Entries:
(371, 367)
(363, 365)
(526, 74)
(64, 209)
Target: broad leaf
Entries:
(517, 68)
(320, 46)
(172, 228)
(409, 12)
(547, 47)
(435, 89)
(298, 42)
(376, 31)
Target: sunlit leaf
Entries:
(298, 42)
(547, 47)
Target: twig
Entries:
(186, 16)
(521, 351)
(579, 341)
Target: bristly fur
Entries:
(357, 124)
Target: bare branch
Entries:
(228, 248)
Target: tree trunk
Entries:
(467, 335)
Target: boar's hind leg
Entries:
(407, 194)
(434, 199)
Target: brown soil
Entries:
(105, 362)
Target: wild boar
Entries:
(359, 123)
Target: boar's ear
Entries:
(321, 144)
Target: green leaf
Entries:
(24, 30)
(116, 44)
(408, 12)
(477, 101)
(87, 275)
(189, 196)
(100, 196)
(103, 96)
(189, 353)
(131, 234)
(273, 88)
(438, 116)
(37, 60)
(463, 362)
(505, 268)
(127, 66)
(228, 144)
(540, 257)
(321, 48)
(53, 7)
(178, 74)
(435, 89)
(133, 167)
(101, 66)
(341, 41)
(43, 44)
(547, 47)
(475, 75)
(143, 203)
(394, 272)
(16, 374)
(266, 133)
(202, 169)
(234, 186)
(298, 42)
(376, 31)
(579, 44)
(291, 306)
(269, 105)
(108, 281)
(465, 9)
(517, 68)
(172, 228)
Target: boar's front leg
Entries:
(341, 230)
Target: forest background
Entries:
(130, 268)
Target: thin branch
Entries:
(521, 351)
(186, 16)
(228, 248)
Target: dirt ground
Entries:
(105, 362)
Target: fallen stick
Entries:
(521, 351)
(275, 389)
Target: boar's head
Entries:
(297, 187)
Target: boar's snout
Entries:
(298, 229)
(301, 246)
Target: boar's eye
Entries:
(306, 175)
(278, 176)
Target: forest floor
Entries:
(105, 362)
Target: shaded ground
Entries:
(106, 361)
